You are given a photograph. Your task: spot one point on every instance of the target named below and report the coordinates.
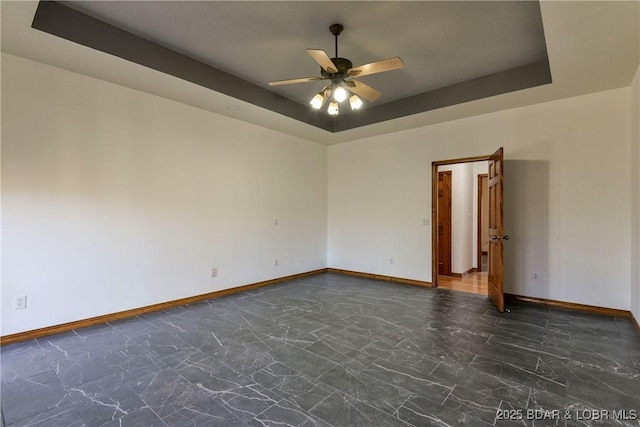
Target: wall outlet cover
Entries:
(20, 302)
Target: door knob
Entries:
(496, 237)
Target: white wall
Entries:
(114, 199)
(567, 208)
(376, 212)
(478, 168)
(635, 195)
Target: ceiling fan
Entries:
(338, 70)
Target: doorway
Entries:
(491, 193)
(462, 270)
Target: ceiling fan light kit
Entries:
(338, 70)
(333, 108)
(317, 101)
(355, 102)
(339, 93)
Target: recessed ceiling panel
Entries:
(453, 51)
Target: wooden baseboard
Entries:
(466, 273)
(571, 306)
(65, 327)
(381, 277)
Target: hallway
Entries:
(475, 283)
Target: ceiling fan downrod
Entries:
(342, 65)
(336, 29)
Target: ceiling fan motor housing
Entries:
(342, 65)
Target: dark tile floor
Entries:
(330, 350)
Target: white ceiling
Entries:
(591, 46)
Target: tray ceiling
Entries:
(462, 58)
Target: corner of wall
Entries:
(635, 195)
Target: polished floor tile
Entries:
(330, 350)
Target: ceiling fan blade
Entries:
(323, 59)
(364, 91)
(388, 64)
(291, 81)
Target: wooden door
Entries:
(496, 230)
(444, 223)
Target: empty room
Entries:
(320, 213)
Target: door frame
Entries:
(434, 207)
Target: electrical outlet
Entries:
(275, 221)
(214, 272)
(534, 276)
(426, 222)
(275, 262)
(390, 260)
(20, 302)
